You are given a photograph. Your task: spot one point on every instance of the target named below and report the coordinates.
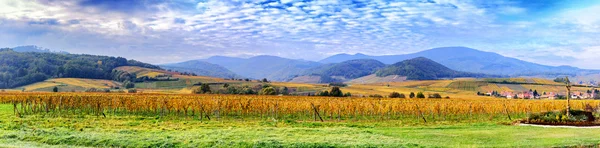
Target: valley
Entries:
(408, 104)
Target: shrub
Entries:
(55, 89)
(376, 96)
(348, 94)
(396, 95)
(204, 88)
(129, 85)
(561, 116)
(132, 91)
(338, 84)
(268, 91)
(323, 93)
(435, 95)
(336, 92)
(420, 95)
(412, 95)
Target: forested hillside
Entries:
(424, 69)
(22, 68)
(346, 70)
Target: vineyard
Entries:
(217, 107)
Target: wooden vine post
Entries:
(568, 96)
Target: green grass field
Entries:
(138, 131)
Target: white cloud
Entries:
(312, 29)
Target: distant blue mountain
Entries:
(472, 60)
(258, 67)
(201, 68)
(33, 48)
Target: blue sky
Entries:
(552, 32)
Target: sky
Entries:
(551, 32)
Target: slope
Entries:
(201, 68)
(343, 71)
(258, 67)
(22, 68)
(423, 69)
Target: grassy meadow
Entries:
(143, 131)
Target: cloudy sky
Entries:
(552, 32)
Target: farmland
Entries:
(166, 114)
(123, 120)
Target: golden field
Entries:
(284, 107)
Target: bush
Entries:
(376, 96)
(338, 84)
(435, 95)
(55, 89)
(324, 93)
(561, 116)
(132, 91)
(412, 95)
(268, 91)
(129, 85)
(420, 95)
(204, 88)
(336, 92)
(348, 94)
(396, 95)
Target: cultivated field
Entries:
(153, 120)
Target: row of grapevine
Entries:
(211, 107)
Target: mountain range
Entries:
(201, 68)
(472, 60)
(258, 67)
(343, 67)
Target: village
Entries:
(534, 94)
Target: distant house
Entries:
(549, 95)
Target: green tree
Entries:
(396, 95)
(264, 80)
(412, 95)
(55, 89)
(129, 85)
(324, 93)
(204, 88)
(225, 85)
(348, 94)
(336, 92)
(268, 91)
(420, 95)
(285, 91)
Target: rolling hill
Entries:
(201, 68)
(472, 60)
(23, 68)
(421, 68)
(339, 72)
(70, 85)
(258, 67)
